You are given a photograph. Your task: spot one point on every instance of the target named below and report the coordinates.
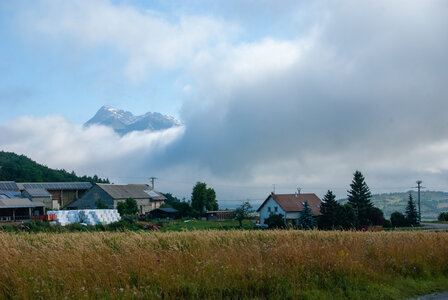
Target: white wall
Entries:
(270, 204)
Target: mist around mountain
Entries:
(432, 203)
(123, 122)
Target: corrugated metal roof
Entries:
(19, 203)
(294, 202)
(8, 186)
(38, 192)
(10, 194)
(135, 191)
(55, 185)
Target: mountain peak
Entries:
(123, 122)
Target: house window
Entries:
(269, 209)
(276, 209)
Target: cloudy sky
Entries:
(291, 93)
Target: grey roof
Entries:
(10, 194)
(55, 185)
(19, 203)
(8, 186)
(38, 192)
(135, 191)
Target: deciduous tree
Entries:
(203, 198)
(242, 212)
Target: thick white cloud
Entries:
(88, 150)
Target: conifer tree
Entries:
(359, 198)
(306, 219)
(411, 212)
(330, 211)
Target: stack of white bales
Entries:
(87, 216)
(99, 216)
(66, 217)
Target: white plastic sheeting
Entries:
(86, 216)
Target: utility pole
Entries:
(273, 186)
(152, 181)
(419, 187)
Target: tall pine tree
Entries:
(359, 198)
(330, 211)
(411, 212)
(306, 219)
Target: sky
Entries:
(296, 94)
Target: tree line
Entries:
(358, 213)
(20, 168)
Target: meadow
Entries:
(235, 264)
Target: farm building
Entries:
(288, 205)
(164, 213)
(8, 186)
(218, 215)
(41, 195)
(62, 193)
(111, 194)
(13, 207)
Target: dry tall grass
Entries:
(217, 264)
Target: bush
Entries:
(398, 219)
(387, 224)
(443, 216)
(7, 228)
(36, 226)
(124, 225)
(275, 221)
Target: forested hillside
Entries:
(20, 168)
(432, 202)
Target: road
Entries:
(436, 296)
(435, 226)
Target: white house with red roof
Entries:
(288, 205)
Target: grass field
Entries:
(232, 264)
(189, 225)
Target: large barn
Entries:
(111, 194)
(62, 193)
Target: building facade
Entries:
(111, 194)
(289, 206)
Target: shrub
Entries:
(443, 216)
(398, 219)
(275, 221)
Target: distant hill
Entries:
(432, 203)
(20, 168)
(123, 122)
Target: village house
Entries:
(111, 194)
(288, 205)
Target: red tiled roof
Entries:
(293, 202)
